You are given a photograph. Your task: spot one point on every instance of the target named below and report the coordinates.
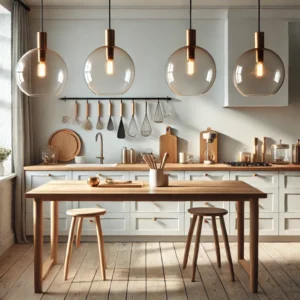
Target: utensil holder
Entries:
(157, 178)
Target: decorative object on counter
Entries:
(254, 155)
(259, 71)
(264, 149)
(132, 156)
(41, 72)
(158, 116)
(112, 181)
(67, 142)
(99, 124)
(87, 125)
(244, 156)
(213, 145)
(93, 181)
(132, 130)
(49, 154)
(150, 161)
(182, 158)
(76, 120)
(168, 143)
(296, 153)
(125, 156)
(157, 178)
(121, 129)
(4, 154)
(280, 153)
(209, 154)
(110, 124)
(247, 164)
(79, 159)
(121, 184)
(146, 127)
(190, 70)
(118, 74)
(101, 146)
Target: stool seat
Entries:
(86, 212)
(208, 211)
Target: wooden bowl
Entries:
(93, 181)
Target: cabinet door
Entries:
(268, 224)
(289, 224)
(156, 206)
(289, 180)
(289, 200)
(111, 207)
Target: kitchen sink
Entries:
(92, 165)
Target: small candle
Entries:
(182, 157)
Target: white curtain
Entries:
(21, 119)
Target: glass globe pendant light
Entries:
(41, 72)
(190, 70)
(109, 69)
(259, 71)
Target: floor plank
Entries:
(156, 290)
(138, 262)
(136, 290)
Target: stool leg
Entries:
(197, 244)
(216, 238)
(225, 237)
(69, 248)
(100, 247)
(79, 230)
(188, 241)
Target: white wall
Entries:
(74, 34)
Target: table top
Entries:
(68, 190)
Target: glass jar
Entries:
(280, 153)
(49, 154)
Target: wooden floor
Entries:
(151, 271)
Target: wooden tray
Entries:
(137, 184)
(67, 142)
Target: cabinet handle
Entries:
(254, 175)
(91, 221)
(209, 204)
(49, 175)
(98, 206)
(154, 219)
(207, 222)
(205, 174)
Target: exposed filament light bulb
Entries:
(190, 66)
(110, 67)
(259, 72)
(41, 69)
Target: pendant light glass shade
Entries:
(259, 71)
(109, 77)
(40, 79)
(254, 78)
(194, 77)
(41, 72)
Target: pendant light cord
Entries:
(258, 15)
(190, 14)
(109, 13)
(42, 16)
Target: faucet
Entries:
(101, 146)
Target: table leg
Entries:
(254, 215)
(54, 230)
(240, 228)
(38, 244)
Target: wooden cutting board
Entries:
(67, 142)
(168, 143)
(133, 184)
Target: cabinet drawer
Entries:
(289, 180)
(266, 205)
(289, 224)
(219, 204)
(64, 223)
(144, 175)
(268, 224)
(165, 206)
(289, 200)
(257, 179)
(111, 207)
(207, 176)
(157, 223)
(206, 225)
(117, 175)
(111, 223)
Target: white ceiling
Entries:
(162, 3)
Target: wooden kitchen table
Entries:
(226, 190)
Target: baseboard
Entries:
(7, 242)
(135, 238)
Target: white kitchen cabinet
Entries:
(267, 224)
(241, 26)
(289, 200)
(289, 224)
(206, 175)
(289, 180)
(157, 223)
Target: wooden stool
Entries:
(201, 212)
(80, 214)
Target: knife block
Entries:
(203, 144)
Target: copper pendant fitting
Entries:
(110, 43)
(259, 39)
(191, 43)
(42, 46)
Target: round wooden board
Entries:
(67, 142)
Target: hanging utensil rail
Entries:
(116, 98)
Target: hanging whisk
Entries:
(158, 116)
